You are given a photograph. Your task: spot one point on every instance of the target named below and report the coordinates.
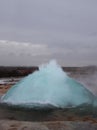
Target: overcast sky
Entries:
(34, 31)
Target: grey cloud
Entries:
(65, 27)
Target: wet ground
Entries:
(66, 119)
(48, 114)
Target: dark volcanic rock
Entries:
(16, 71)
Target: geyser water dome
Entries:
(49, 86)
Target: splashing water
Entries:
(48, 86)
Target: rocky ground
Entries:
(59, 125)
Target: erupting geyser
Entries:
(49, 86)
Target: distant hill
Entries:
(16, 71)
(23, 71)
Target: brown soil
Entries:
(4, 88)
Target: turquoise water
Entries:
(48, 86)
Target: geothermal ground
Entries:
(15, 119)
